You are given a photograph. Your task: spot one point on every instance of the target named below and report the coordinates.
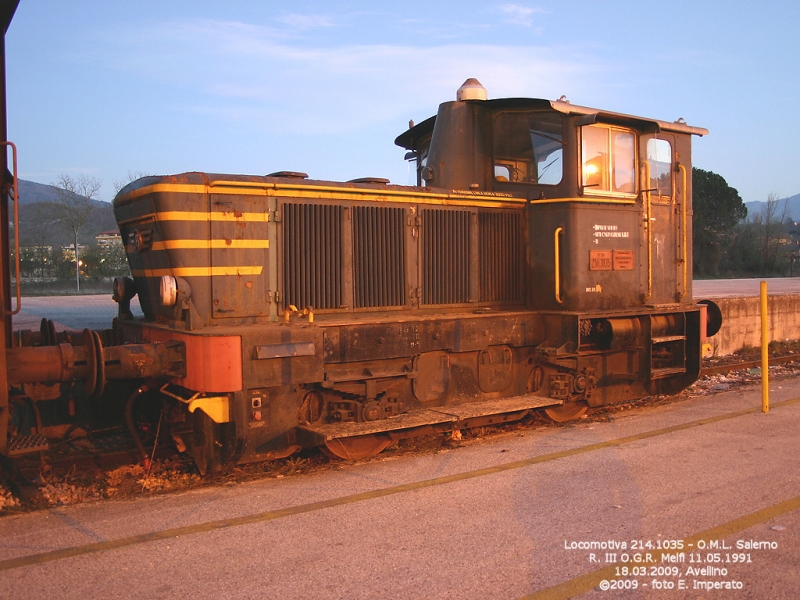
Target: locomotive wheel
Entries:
(355, 448)
(566, 412)
(47, 331)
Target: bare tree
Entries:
(43, 225)
(773, 227)
(72, 207)
(132, 176)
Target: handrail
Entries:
(557, 251)
(649, 227)
(15, 188)
(683, 226)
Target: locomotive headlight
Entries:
(169, 290)
(124, 289)
(174, 289)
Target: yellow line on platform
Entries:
(565, 590)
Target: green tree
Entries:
(91, 263)
(114, 261)
(717, 209)
(60, 266)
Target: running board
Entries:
(429, 420)
(668, 372)
(26, 444)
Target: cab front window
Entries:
(608, 160)
(528, 148)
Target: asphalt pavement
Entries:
(70, 312)
(701, 492)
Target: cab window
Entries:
(608, 160)
(659, 163)
(528, 148)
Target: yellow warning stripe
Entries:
(332, 192)
(594, 200)
(227, 216)
(210, 244)
(203, 216)
(198, 271)
(404, 197)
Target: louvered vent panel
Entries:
(500, 257)
(312, 250)
(378, 256)
(445, 256)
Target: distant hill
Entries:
(30, 192)
(792, 204)
(36, 228)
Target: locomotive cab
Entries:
(608, 195)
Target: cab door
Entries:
(665, 227)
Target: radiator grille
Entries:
(378, 256)
(445, 256)
(312, 250)
(501, 254)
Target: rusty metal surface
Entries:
(492, 407)
(566, 412)
(284, 350)
(356, 448)
(449, 415)
(418, 418)
(93, 363)
(7, 10)
(239, 242)
(25, 444)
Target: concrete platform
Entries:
(547, 513)
(739, 301)
(730, 288)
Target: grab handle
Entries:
(15, 193)
(683, 227)
(557, 252)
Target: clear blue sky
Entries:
(109, 88)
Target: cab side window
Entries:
(608, 160)
(528, 148)
(659, 165)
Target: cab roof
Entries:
(410, 138)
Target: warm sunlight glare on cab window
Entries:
(528, 148)
(659, 163)
(608, 160)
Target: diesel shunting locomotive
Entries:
(542, 261)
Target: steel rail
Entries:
(775, 360)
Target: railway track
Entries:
(97, 454)
(725, 368)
